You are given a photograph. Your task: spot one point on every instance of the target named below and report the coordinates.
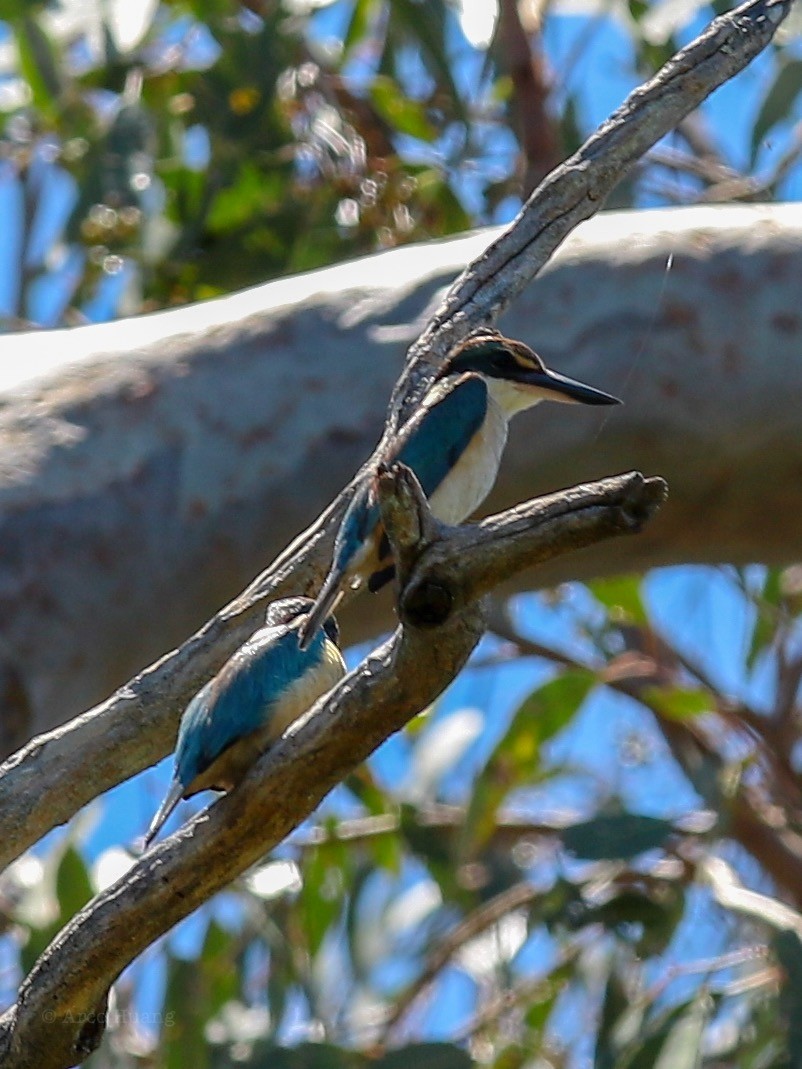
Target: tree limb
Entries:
(149, 468)
(576, 189)
(41, 786)
(71, 980)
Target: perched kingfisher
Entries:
(453, 443)
(267, 684)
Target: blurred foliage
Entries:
(163, 152)
(461, 912)
(465, 916)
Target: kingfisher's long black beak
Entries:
(562, 388)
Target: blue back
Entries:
(241, 697)
(430, 445)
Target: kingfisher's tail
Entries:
(164, 811)
(324, 605)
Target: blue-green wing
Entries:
(241, 697)
(430, 444)
(434, 443)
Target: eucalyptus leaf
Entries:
(778, 102)
(516, 759)
(616, 836)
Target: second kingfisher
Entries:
(453, 443)
(256, 695)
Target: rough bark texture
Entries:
(67, 988)
(149, 468)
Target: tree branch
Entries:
(71, 979)
(50, 779)
(576, 189)
(538, 131)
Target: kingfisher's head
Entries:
(289, 612)
(516, 375)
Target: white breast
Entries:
(472, 477)
(305, 691)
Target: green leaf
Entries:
(73, 885)
(439, 202)
(657, 918)
(570, 128)
(516, 758)
(542, 1002)
(218, 963)
(678, 703)
(38, 65)
(615, 1005)
(432, 847)
(249, 196)
(72, 888)
(514, 1056)
(788, 948)
(355, 923)
(405, 116)
(385, 849)
(328, 1056)
(321, 897)
(425, 1056)
(362, 784)
(620, 836)
(424, 23)
(264, 1055)
(683, 1045)
(182, 1041)
(621, 595)
(196, 993)
(362, 15)
(767, 608)
(778, 102)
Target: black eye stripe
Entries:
(491, 355)
(508, 360)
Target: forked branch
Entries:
(50, 779)
(444, 575)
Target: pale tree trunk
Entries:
(149, 468)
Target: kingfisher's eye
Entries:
(502, 362)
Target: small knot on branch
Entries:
(407, 519)
(428, 604)
(454, 567)
(411, 530)
(640, 499)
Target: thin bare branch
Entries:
(485, 916)
(538, 131)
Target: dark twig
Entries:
(485, 916)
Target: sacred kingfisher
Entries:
(266, 685)
(453, 443)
